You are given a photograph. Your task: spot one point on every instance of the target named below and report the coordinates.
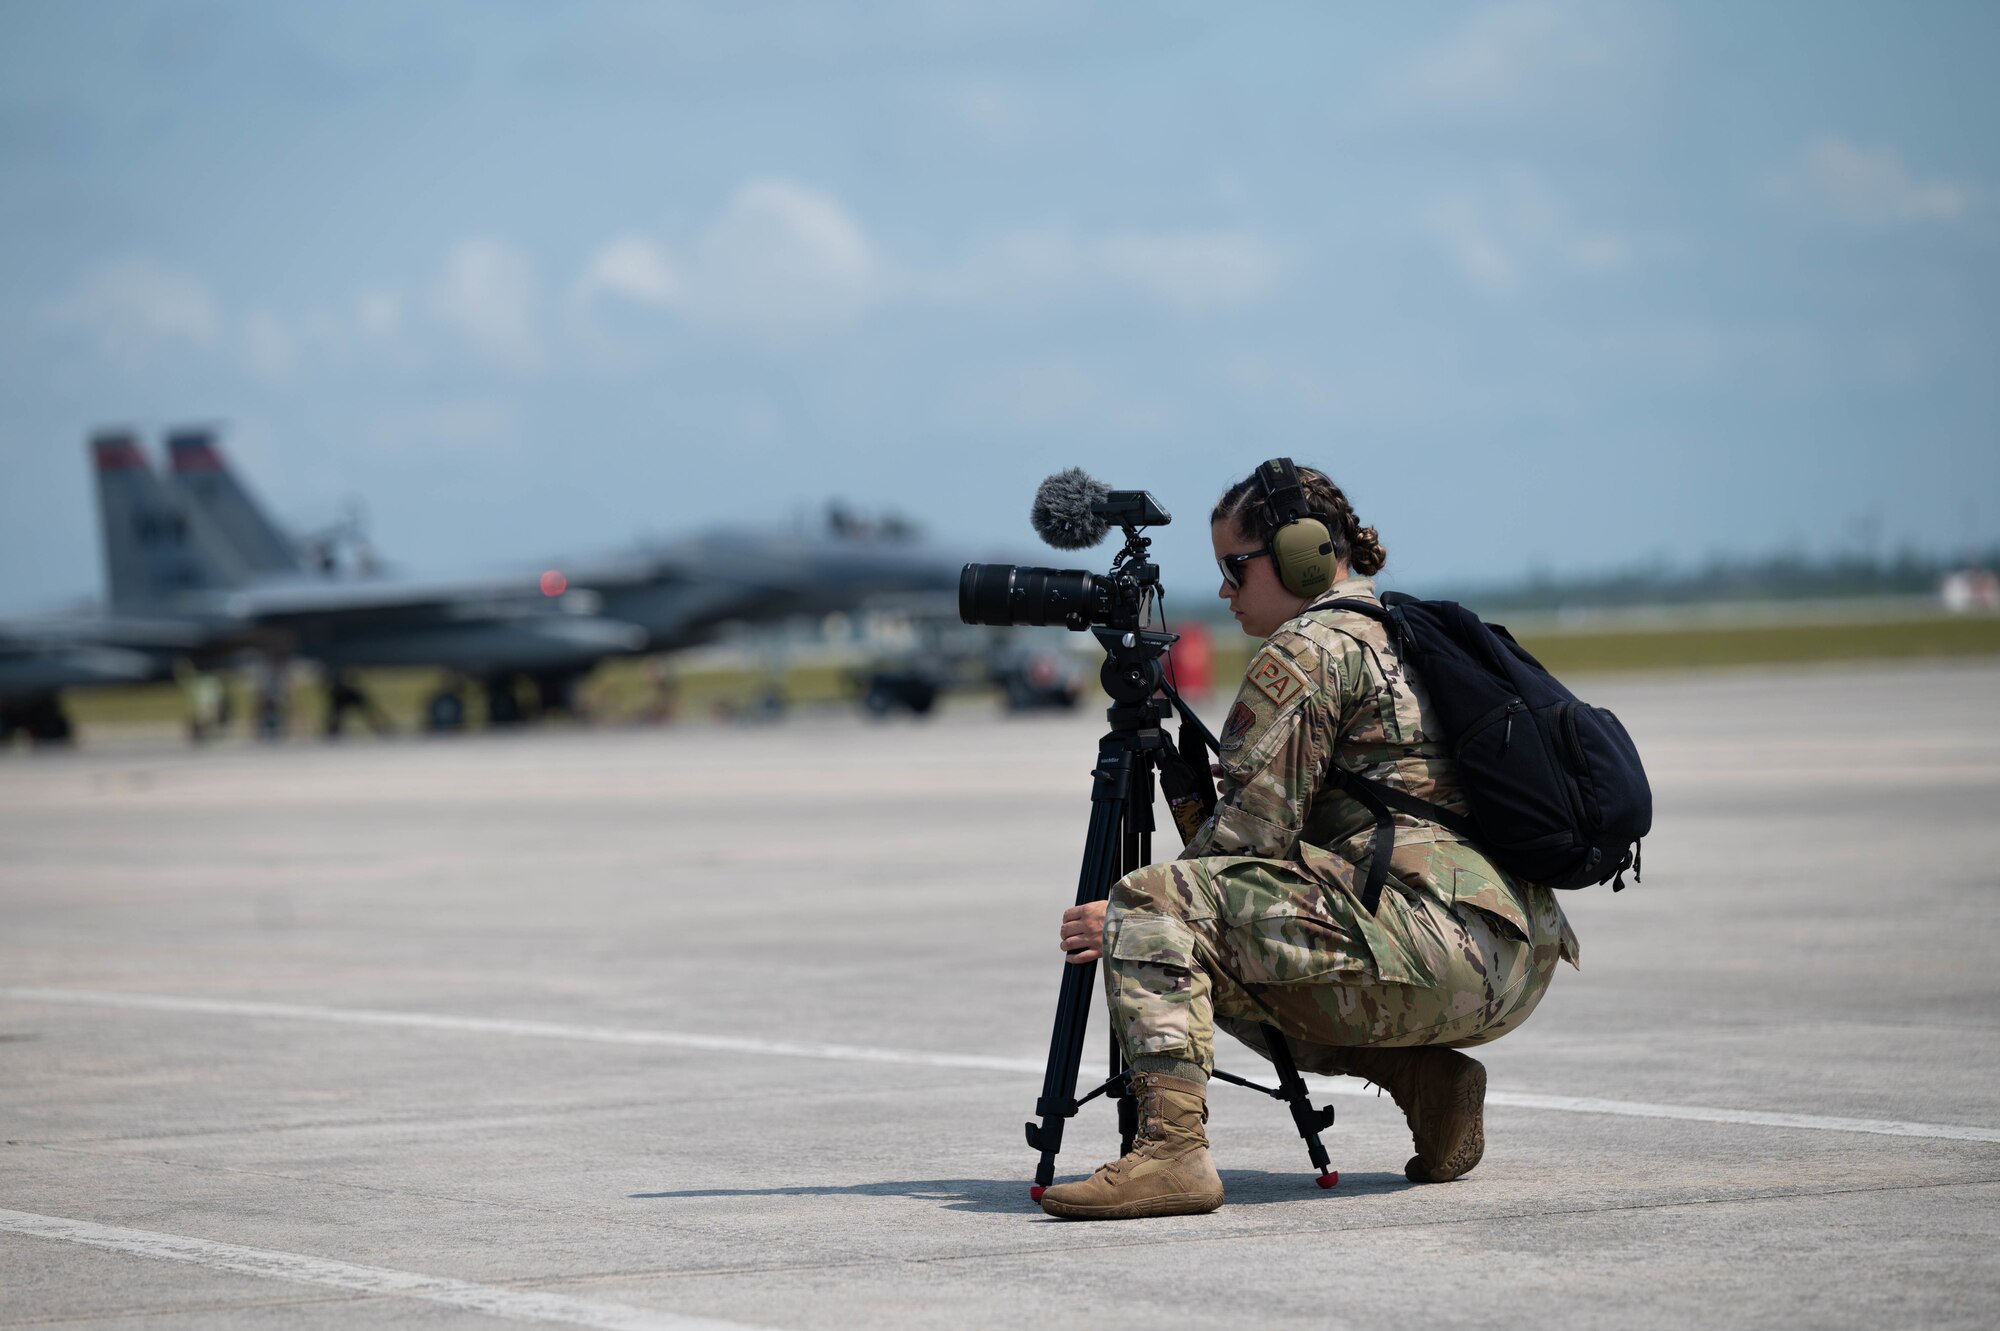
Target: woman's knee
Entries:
(1172, 887)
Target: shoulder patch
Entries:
(1276, 678)
(1241, 718)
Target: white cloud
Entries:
(133, 305)
(488, 293)
(1189, 272)
(631, 268)
(1535, 54)
(1502, 51)
(1498, 234)
(268, 345)
(1871, 187)
(782, 261)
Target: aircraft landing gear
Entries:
(503, 708)
(444, 711)
(343, 695)
(42, 720)
(555, 695)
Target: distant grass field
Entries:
(1588, 651)
(626, 691)
(1780, 644)
(619, 690)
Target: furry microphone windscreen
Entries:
(1061, 514)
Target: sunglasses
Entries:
(1232, 565)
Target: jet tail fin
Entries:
(204, 479)
(154, 548)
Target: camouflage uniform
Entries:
(1260, 922)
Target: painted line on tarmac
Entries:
(547, 1030)
(1576, 1104)
(847, 1053)
(521, 1305)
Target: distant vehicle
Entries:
(1967, 590)
(1036, 678)
(912, 687)
(944, 655)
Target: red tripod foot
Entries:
(1035, 1193)
(1328, 1179)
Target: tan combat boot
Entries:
(1443, 1095)
(1167, 1171)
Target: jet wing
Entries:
(40, 656)
(94, 630)
(370, 605)
(684, 591)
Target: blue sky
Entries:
(1545, 285)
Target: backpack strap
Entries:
(1385, 612)
(1379, 799)
(1403, 802)
(1373, 796)
(1384, 843)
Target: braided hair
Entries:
(1243, 507)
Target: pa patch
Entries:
(1236, 726)
(1276, 678)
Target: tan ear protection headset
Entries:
(1301, 547)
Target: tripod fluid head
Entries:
(1133, 672)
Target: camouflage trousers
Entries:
(1247, 943)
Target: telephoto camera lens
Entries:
(1007, 594)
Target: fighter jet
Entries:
(678, 594)
(203, 556)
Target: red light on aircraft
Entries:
(554, 583)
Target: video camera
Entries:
(1073, 512)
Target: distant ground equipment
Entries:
(1968, 590)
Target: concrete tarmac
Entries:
(705, 1027)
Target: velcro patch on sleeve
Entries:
(1276, 678)
(1238, 724)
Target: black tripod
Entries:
(1119, 841)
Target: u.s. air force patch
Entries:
(1276, 678)
(1238, 724)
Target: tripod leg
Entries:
(1311, 1122)
(1136, 849)
(1102, 857)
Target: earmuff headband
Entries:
(1301, 545)
(1284, 494)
